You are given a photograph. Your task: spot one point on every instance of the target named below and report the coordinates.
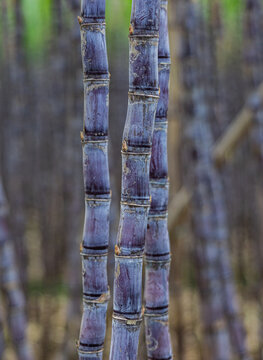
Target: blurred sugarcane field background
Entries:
(215, 151)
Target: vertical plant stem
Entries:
(157, 246)
(12, 293)
(72, 182)
(220, 310)
(253, 71)
(203, 179)
(96, 179)
(16, 158)
(2, 335)
(135, 195)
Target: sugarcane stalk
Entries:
(96, 179)
(157, 245)
(209, 219)
(16, 161)
(253, 47)
(135, 194)
(253, 69)
(208, 235)
(2, 336)
(199, 145)
(211, 227)
(72, 184)
(10, 288)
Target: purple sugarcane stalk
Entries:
(2, 336)
(219, 310)
(94, 247)
(10, 288)
(253, 61)
(253, 51)
(253, 56)
(157, 246)
(199, 145)
(135, 196)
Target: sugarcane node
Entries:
(131, 322)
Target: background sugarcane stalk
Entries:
(9, 281)
(16, 161)
(157, 246)
(2, 336)
(73, 188)
(253, 67)
(221, 229)
(135, 195)
(217, 343)
(211, 251)
(209, 216)
(253, 55)
(96, 179)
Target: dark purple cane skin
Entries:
(135, 195)
(157, 246)
(94, 138)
